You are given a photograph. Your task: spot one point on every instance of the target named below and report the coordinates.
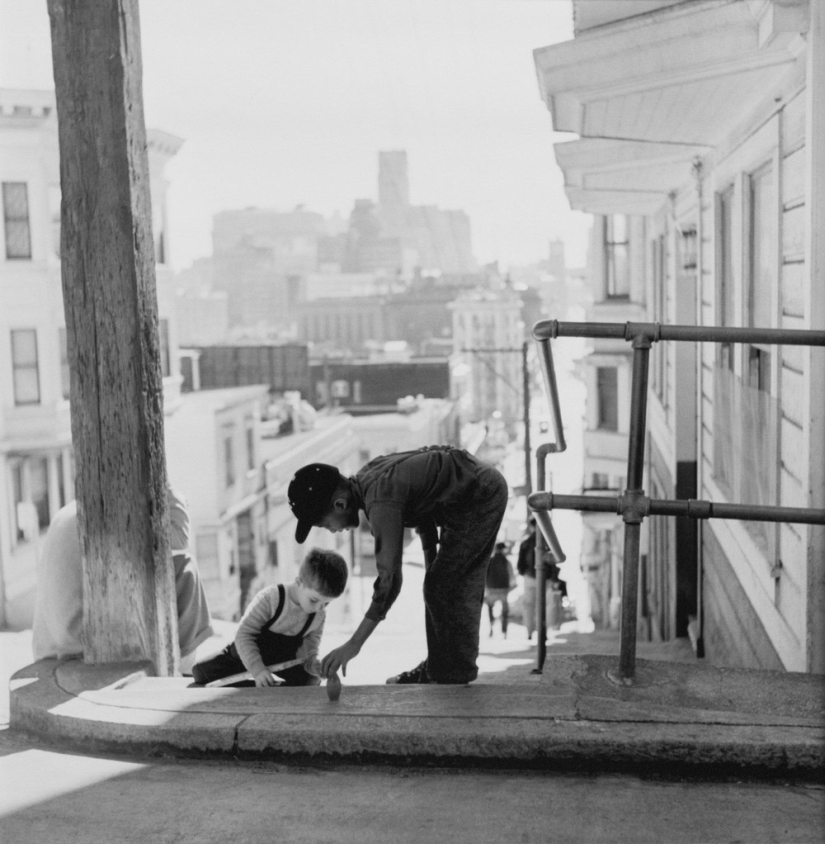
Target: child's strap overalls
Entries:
(274, 648)
(277, 647)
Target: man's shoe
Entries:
(416, 676)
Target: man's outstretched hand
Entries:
(339, 658)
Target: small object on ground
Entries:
(334, 687)
(245, 675)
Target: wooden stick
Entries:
(245, 675)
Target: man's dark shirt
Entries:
(410, 489)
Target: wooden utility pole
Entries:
(110, 302)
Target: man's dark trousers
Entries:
(454, 580)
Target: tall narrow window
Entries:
(25, 370)
(17, 494)
(759, 412)
(16, 220)
(607, 389)
(762, 248)
(250, 447)
(61, 482)
(273, 553)
(65, 382)
(724, 272)
(659, 360)
(762, 252)
(617, 247)
(229, 460)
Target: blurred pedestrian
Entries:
(526, 567)
(500, 580)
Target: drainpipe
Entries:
(698, 638)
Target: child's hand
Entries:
(266, 678)
(313, 666)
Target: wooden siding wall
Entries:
(733, 632)
(793, 480)
(659, 601)
(780, 606)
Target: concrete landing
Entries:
(678, 717)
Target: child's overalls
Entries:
(274, 648)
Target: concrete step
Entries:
(677, 717)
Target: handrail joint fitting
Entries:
(633, 506)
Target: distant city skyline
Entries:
(283, 104)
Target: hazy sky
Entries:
(287, 102)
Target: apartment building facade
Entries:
(486, 367)
(36, 459)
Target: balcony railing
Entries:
(633, 505)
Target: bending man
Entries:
(456, 504)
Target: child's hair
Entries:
(326, 571)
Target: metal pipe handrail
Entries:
(549, 329)
(548, 371)
(690, 508)
(634, 506)
(546, 540)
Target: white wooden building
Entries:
(488, 333)
(701, 151)
(36, 461)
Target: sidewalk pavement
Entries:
(682, 718)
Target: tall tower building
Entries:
(393, 182)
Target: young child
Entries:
(282, 623)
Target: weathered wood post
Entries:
(112, 328)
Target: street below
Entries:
(51, 795)
(56, 793)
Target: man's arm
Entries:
(387, 523)
(388, 529)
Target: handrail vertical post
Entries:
(548, 370)
(632, 519)
(541, 601)
(528, 448)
